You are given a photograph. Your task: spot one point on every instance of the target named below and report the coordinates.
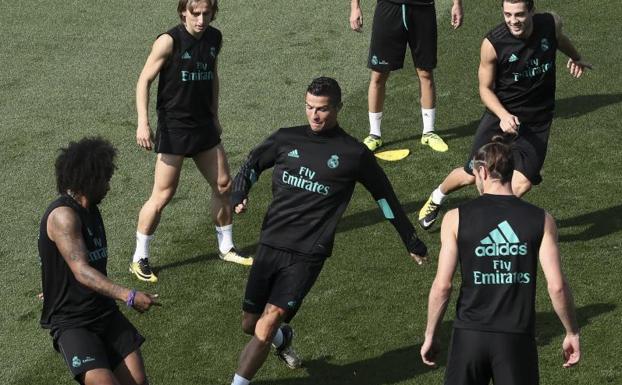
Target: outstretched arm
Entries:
(64, 229)
(376, 182)
(486, 74)
(441, 287)
(160, 52)
(576, 65)
(559, 291)
(260, 158)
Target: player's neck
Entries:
(79, 198)
(498, 188)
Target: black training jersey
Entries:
(66, 302)
(499, 239)
(312, 183)
(525, 77)
(186, 84)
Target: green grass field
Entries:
(68, 69)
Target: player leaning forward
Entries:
(185, 58)
(517, 86)
(99, 345)
(316, 167)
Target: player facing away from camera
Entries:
(185, 59)
(517, 86)
(99, 345)
(398, 23)
(315, 169)
(497, 240)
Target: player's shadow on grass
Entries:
(600, 223)
(405, 363)
(248, 250)
(566, 108)
(575, 106)
(389, 368)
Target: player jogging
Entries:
(398, 23)
(315, 169)
(185, 58)
(497, 239)
(517, 86)
(99, 345)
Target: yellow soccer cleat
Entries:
(235, 257)
(372, 142)
(428, 214)
(142, 270)
(435, 142)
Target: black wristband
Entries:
(237, 197)
(416, 246)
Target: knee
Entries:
(248, 325)
(267, 325)
(425, 76)
(521, 187)
(378, 79)
(160, 198)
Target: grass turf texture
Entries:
(69, 70)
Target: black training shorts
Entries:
(281, 278)
(101, 344)
(184, 141)
(528, 147)
(477, 357)
(395, 26)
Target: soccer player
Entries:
(315, 169)
(99, 345)
(185, 58)
(497, 239)
(517, 86)
(396, 24)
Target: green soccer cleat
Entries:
(286, 352)
(428, 214)
(435, 142)
(372, 142)
(235, 257)
(142, 270)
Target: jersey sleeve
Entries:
(376, 182)
(260, 158)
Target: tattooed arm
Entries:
(64, 229)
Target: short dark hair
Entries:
(497, 158)
(325, 86)
(529, 3)
(184, 4)
(85, 166)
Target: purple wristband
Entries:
(130, 298)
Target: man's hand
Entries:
(429, 351)
(509, 124)
(419, 259)
(144, 136)
(456, 14)
(571, 350)
(577, 67)
(143, 301)
(241, 208)
(356, 19)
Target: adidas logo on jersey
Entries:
(501, 241)
(513, 58)
(186, 55)
(293, 154)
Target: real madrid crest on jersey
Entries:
(333, 162)
(544, 45)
